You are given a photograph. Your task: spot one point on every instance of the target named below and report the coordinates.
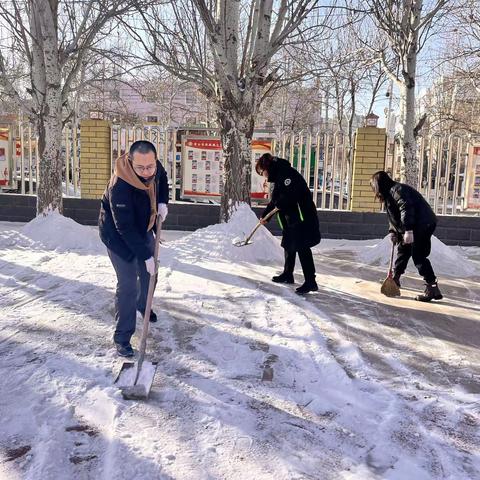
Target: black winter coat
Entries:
(297, 213)
(407, 209)
(125, 215)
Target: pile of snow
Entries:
(56, 232)
(445, 260)
(217, 241)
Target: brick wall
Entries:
(95, 162)
(369, 157)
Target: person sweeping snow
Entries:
(137, 190)
(297, 217)
(411, 226)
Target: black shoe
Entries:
(153, 315)
(283, 278)
(307, 287)
(124, 349)
(432, 292)
(397, 281)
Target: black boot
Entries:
(396, 279)
(308, 267)
(283, 278)
(308, 286)
(153, 315)
(124, 349)
(432, 292)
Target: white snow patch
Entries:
(56, 232)
(217, 241)
(327, 413)
(445, 260)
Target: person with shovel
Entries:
(411, 226)
(297, 216)
(136, 194)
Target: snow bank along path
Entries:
(221, 322)
(445, 260)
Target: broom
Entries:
(389, 287)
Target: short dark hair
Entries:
(263, 163)
(381, 184)
(142, 146)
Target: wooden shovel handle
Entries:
(390, 268)
(148, 307)
(269, 215)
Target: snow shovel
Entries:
(242, 243)
(389, 287)
(135, 379)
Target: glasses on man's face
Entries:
(142, 168)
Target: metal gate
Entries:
(443, 169)
(23, 160)
(164, 139)
(325, 160)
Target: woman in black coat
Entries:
(411, 226)
(297, 217)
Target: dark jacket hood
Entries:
(276, 167)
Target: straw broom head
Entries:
(390, 288)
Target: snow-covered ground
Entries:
(364, 387)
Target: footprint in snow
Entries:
(15, 453)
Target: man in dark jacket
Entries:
(411, 226)
(137, 191)
(297, 217)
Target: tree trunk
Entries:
(409, 165)
(349, 156)
(236, 130)
(409, 161)
(353, 91)
(47, 88)
(49, 195)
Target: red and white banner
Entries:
(202, 168)
(4, 157)
(473, 178)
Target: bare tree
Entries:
(464, 54)
(53, 38)
(452, 105)
(453, 100)
(227, 47)
(469, 25)
(406, 27)
(355, 78)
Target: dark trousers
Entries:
(306, 260)
(131, 293)
(419, 250)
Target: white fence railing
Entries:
(164, 139)
(444, 165)
(324, 159)
(21, 170)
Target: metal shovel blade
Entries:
(242, 243)
(140, 389)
